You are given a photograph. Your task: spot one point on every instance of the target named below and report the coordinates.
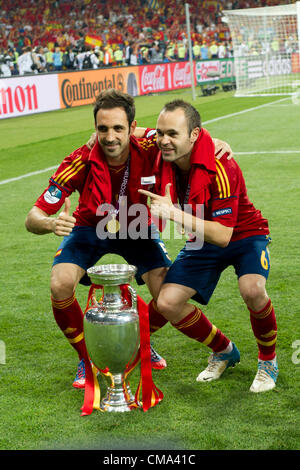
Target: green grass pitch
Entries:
(40, 409)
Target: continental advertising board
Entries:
(80, 88)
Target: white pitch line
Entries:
(10, 180)
(27, 175)
(268, 152)
(244, 111)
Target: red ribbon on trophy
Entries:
(151, 395)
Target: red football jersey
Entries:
(226, 199)
(70, 176)
(74, 174)
(229, 203)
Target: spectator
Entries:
(145, 54)
(80, 58)
(155, 54)
(68, 59)
(170, 52)
(57, 59)
(108, 59)
(221, 51)
(25, 62)
(275, 46)
(14, 55)
(204, 51)
(181, 51)
(6, 64)
(87, 61)
(196, 51)
(95, 59)
(128, 52)
(100, 54)
(118, 56)
(39, 59)
(49, 59)
(134, 56)
(213, 50)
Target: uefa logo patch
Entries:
(53, 195)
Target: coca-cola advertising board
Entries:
(28, 95)
(156, 78)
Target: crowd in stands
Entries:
(55, 35)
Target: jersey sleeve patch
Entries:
(150, 133)
(53, 195)
(221, 212)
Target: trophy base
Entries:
(116, 400)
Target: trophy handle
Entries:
(133, 297)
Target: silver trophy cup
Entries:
(111, 331)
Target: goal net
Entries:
(266, 49)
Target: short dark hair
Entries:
(192, 115)
(111, 98)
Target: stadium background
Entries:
(58, 35)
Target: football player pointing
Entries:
(234, 234)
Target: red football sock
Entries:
(265, 331)
(197, 326)
(156, 320)
(69, 317)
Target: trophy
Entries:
(111, 331)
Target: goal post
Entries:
(266, 49)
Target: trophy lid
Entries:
(112, 274)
